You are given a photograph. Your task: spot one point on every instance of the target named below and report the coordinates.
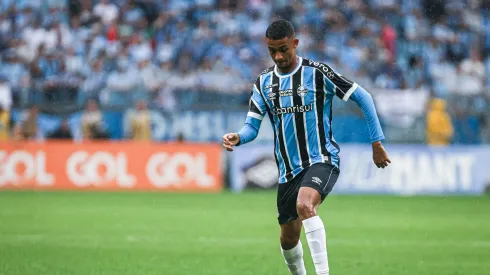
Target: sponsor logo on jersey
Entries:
(293, 109)
(270, 86)
(288, 92)
(321, 66)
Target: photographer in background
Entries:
(92, 127)
(63, 132)
(27, 128)
(141, 123)
(4, 123)
(5, 103)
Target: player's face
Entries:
(283, 51)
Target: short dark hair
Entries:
(280, 29)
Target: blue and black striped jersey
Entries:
(299, 106)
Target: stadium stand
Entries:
(203, 54)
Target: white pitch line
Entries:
(104, 240)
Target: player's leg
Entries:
(291, 247)
(315, 186)
(308, 201)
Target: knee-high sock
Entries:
(316, 237)
(294, 259)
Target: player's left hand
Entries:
(380, 157)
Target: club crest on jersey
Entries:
(302, 91)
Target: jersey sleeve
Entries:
(365, 101)
(257, 108)
(256, 112)
(337, 83)
(345, 88)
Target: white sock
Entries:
(316, 237)
(294, 259)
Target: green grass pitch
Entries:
(175, 234)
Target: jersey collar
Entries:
(300, 62)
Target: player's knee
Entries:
(306, 209)
(289, 241)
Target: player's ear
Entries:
(295, 42)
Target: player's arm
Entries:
(365, 101)
(345, 89)
(250, 129)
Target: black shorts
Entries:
(320, 176)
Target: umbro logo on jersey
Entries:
(316, 180)
(271, 86)
(271, 96)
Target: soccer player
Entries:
(297, 96)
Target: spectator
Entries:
(62, 87)
(416, 26)
(57, 36)
(352, 55)
(23, 51)
(485, 128)
(74, 63)
(124, 79)
(13, 69)
(208, 76)
(166, 97)
(121, 84)
(389, 39)
(439, 125)
(391, 77)
(472, 74)
(415, 73)
(184, 79)
(95, 82)
(106, 11)
(442, 32)
(5, 94)
(49, 64)
(150, 75)
(33, 34)
(140, 48)
(444, 77)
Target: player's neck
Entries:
(291, 67)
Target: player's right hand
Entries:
(230, 140)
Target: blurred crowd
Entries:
(169, 54)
